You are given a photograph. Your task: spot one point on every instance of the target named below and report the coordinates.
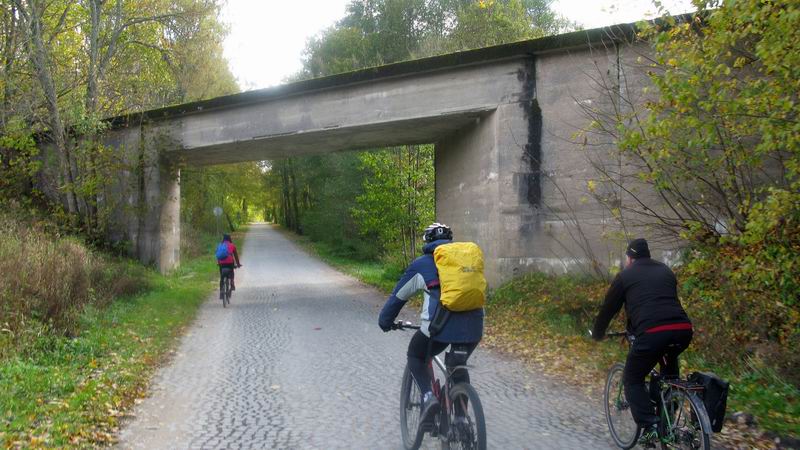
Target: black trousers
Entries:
(418, 359)
(648, 350)
(225, 270)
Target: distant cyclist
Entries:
(227, 259)
(649, 291)
(439, 327)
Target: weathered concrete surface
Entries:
(298, 361)
(508, 172)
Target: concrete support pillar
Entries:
(170, 226)
(468, 190)
(488, 184)
(158, 238)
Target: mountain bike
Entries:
(460, 423)
(684, 420)
(225, 288)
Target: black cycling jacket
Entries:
(649, 291)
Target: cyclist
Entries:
(661, 327)
(439, 327)
(227, 264)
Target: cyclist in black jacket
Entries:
(649, 291)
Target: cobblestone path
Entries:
(298, 361)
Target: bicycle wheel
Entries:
(410, 411)
(226, 291)
(467, 428)
(623, 429)
(687, 422)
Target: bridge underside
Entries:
(421, 130)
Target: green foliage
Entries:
(65, 66)
(18, 164)
(374, 33)
(398, 198)
(491, 22)
(238, 189)
(719, 125)
(744, 289)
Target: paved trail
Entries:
(298, 361)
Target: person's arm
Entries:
(236, 256)
(410, 283)
(615, 298)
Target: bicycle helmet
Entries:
(436, 231)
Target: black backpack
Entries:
(715, 396)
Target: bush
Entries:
(47, 279)
(743, 291)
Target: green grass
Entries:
(72, 392)
(374, 273)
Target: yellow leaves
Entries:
(591, 185)
(483, 4)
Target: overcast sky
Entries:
(267, 37)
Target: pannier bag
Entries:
(222, 251)
(715, 397)
(460, 266)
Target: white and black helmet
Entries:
(436, 231)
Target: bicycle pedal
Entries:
(428, 427)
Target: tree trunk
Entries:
(31, 16)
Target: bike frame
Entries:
(664, 386)
(442, 392)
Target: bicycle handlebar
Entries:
(629, 337)
(400, 325)
(618, 334)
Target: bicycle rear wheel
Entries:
(689, 425)
(226, 291)
(467, 422)
(410, 411)
(623, 429)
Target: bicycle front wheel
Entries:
(623, 429)
(226, 292)
(467, 423)
(410, 411)
(687, 421)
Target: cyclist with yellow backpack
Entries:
(451, 278)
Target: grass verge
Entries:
(374, 273)
(73, 391)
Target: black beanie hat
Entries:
(637, 248)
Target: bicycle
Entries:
(454, 425)
(225, 289)
(684, 420)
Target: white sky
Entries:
(267, 37)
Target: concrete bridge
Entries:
(501, 119)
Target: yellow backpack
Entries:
(460, 266)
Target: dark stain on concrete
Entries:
(532, 154)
